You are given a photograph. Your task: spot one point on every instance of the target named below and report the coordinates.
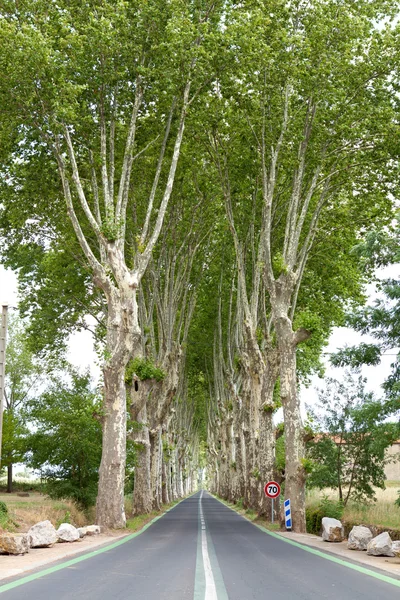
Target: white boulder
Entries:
(396, 548)
(332, 530)
(381, 545)
(42, 535)
(93, 530)
(14, 543)
(67, 533)
(82, 532)
(359, 538)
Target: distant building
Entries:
(392, 469)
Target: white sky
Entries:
(81, 352)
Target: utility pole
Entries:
(3, 341)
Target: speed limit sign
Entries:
(272, 489)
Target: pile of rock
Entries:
(360, 538)
(43, 535)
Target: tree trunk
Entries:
(243, 452)
(174, 474)
(142, 496)
(155, 467)
(267, 438)
(164, 484)
(110, 511)
(123, 336)
(179, 478)
(294, 438)
(9, 479)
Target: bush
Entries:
(24, 486)
(314, 517)
(326, 508)
(143, 369)
(5, 521)
(331, 508)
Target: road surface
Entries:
(202, 550)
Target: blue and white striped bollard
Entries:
(288, 514)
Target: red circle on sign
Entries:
(272, 489)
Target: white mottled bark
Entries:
(142, 493)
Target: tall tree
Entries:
(311, 101)
(381, 319)
(99, 93)
(23, 378)
(65, 439)
(352, 436)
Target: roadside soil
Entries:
(10, 566)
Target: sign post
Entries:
(272, 490)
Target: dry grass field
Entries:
(26, 511)
(383, 512)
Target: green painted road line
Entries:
(222, 594)
(339, 561)
(13, 584)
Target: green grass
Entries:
(137, 522)
(270, 526)
(251, 515)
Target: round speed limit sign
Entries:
(272, 489)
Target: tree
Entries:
(100, 94)
(65, 444)
(23, 377)
(381, 319)
(351, 438)
(298, 131)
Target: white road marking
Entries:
(211, 591)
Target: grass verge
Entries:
(137, 522)
(251, 515)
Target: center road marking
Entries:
(211, 590)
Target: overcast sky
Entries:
(81, 351)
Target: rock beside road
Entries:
(359, 538)
(14, 543)
(332, 530)
(396, 548)
(42, 535)
(381, 545)
(93, 530)
(67, 533)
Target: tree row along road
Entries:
(202, 550)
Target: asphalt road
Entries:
(201, 550)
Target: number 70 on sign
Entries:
(272, 490)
